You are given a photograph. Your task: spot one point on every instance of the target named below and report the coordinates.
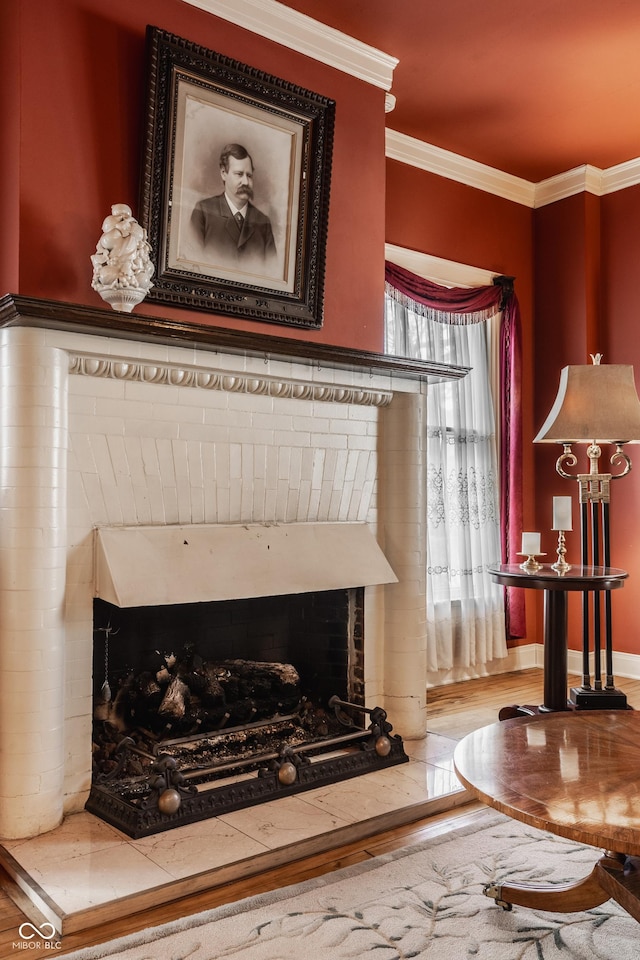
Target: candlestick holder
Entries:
(561, 565)
(531, 564)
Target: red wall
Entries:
(456, 222)
(586, 255)
(9, 146)
(561, 242)
(77, 104)
(621, 314)
(71, 112)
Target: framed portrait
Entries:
(235, 185)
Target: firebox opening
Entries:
(266, 667)
(202, 708)
(320, 634)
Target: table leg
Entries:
(564, 898)
(555, 650)
(622, 885)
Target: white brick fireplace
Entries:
(115, 422)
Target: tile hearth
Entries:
(80, 873)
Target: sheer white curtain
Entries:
(465, 609)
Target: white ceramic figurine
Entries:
(122, 267)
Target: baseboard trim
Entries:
(518, 658)
(624, 664)
(532, 655)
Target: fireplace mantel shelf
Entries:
(17, 310)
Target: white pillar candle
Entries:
(531, 544)
(562, 513)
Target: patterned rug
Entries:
(423, 901)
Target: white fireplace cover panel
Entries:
(146, 566)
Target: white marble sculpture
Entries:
(122, 268)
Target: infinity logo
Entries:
(37, 931)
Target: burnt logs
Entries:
(187, 697)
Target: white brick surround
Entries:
(104, 431)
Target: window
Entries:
(465, 608)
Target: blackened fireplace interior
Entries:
(202, 708)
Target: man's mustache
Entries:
(245, 192)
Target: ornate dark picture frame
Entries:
(198, 102)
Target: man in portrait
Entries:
(229, 226)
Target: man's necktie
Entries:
(239, 219)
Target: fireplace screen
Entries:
(203, 708)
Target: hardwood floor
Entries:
(453, 711)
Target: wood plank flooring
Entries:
(453, 711)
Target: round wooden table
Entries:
(576, 774)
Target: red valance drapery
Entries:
(473, 305)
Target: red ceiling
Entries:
(530, 87)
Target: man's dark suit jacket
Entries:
(215, 226)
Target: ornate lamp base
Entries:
(589, 699)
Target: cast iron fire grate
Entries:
(193, 778)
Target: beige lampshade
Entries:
(595, 402)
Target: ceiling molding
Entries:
(584, 179)
(621, 176)
(454, 167)
(301, 33)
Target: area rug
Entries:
(423, 901)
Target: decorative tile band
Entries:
(110, 368)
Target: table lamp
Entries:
(596, 403)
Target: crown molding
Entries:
(304, 35)
(588, 179)
(621, 176)
(443, 163)
(301, 33)
(584, 179)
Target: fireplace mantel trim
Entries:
(108, 367)
(18, 310)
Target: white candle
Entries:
(562, 513)
(531, 544)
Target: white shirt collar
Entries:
(241, 210)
